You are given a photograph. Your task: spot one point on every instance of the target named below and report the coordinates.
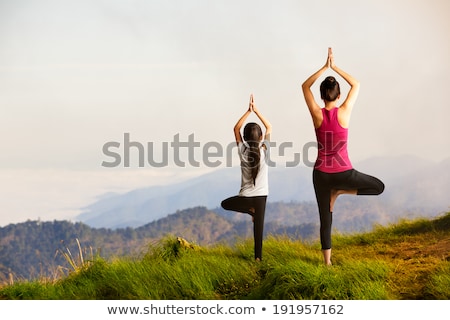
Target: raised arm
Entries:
(314, 108)
(239, 124)
(265, 122)
(347, 105)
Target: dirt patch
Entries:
(415, 260)
(421, 248)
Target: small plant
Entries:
(76, 263)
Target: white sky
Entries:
(77, 74)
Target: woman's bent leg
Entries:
(364, 184)
(368, 185)
(356, 183)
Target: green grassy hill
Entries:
(406, 260)
(27, 250)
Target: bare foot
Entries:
(333, 197)
(327, 257)
(252, 210)
(335, 193)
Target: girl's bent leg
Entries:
(238, 204)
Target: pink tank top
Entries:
(332, 140)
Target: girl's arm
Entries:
(238, 125)
(313, 107)
(265, 122)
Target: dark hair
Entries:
(329, 89)
(252, 135)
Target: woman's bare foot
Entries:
(252, 210)
(327, 257)
(335, 193)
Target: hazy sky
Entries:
(75, 75)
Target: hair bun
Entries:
(330, 82)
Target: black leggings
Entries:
(347, 180)
(244, 204)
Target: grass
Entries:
(407, 260)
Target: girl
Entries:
(333, 172)
(253, 152)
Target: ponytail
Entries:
(254, 157)
(252, 135)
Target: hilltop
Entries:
(406, 260)
(32, 249)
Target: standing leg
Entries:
(323, 197)
(328, 187)
(258, 225)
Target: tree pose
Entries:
(333, 172)
(253, 151)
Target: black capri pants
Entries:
(243, 205)
(346, 180)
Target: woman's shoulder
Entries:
(318, 117)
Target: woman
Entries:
(333, 172)
(253, 152)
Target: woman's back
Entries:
(332, 140)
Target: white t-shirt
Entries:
(261, 186)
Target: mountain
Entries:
(413, 186)
(138, 207)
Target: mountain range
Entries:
(123, 224)
(414, 186)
